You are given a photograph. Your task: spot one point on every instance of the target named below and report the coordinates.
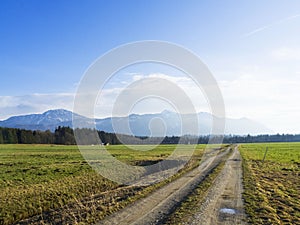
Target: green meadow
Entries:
(38, 179)
(54, 183)
(272, 186)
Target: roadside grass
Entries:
(272, 187)
(54, 184)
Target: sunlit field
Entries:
(272, 186)
(46, 180)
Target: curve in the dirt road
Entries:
(156, 207)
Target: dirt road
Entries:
(156, 207)
(223, 203)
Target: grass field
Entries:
(39, 179)
(44, 181)
(272, 187)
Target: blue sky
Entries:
(251, 47)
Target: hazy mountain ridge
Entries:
(164, 123)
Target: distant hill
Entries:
(164, 123)
(47, 121)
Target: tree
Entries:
(1, 136)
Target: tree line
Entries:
(65, 136)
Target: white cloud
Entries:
(268, 101)
(137, 77)
(286, 54)
(151, 104)
(35, 103)
(252, 94)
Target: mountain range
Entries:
(158, 124)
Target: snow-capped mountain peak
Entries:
(139, 124)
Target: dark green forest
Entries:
(65, 136)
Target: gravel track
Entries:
(223, 204)
(156, 207)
